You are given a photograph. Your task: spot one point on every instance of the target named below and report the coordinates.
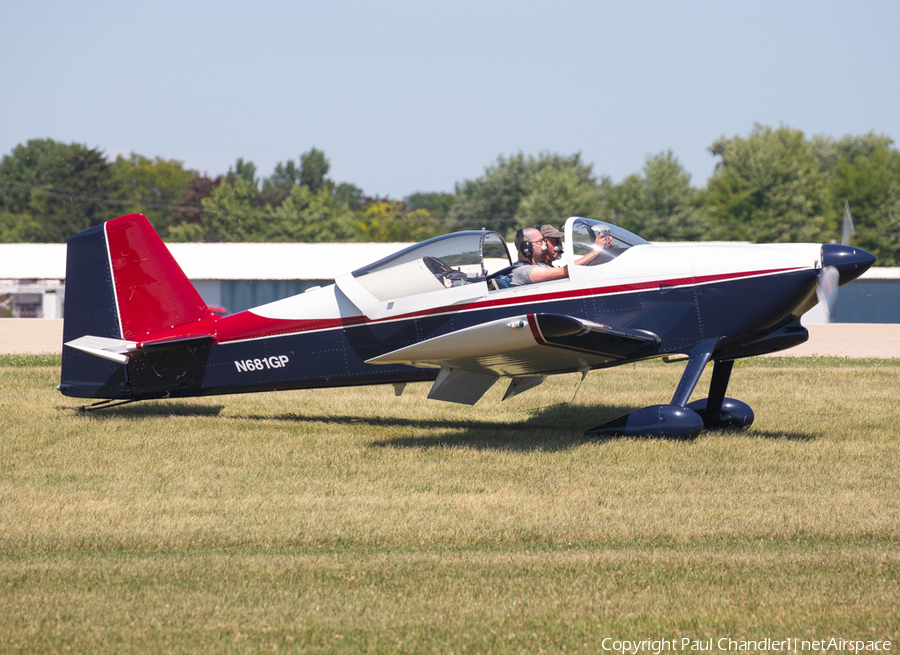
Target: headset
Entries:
(527, 247)
(523, 245)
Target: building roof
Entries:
(216, 261)
(32, 261)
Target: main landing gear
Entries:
(680, 419)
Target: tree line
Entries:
(773, 185)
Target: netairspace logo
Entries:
(789, 645)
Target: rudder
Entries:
(152, 292)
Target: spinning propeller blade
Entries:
(847, 227)
(827, 289)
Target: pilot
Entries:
(555, 247)
(532, 265)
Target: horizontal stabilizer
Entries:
(527, 345)
(121, 350)
(115, 350)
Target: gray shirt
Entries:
(522, 274)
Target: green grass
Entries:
(350, 520)
(23, 361)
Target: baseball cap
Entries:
(548, 230)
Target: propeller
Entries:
(830, 276)
(827, 290)
(847, 227)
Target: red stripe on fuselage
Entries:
(536, 331)
(247, 325)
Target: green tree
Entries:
(230, 213)
(554, 194)
(311, 173)
(190, 209)
(392, 221)
(230, 208)
(313, 169)
(436, 203)
(285, 176)
(20, 227)
(870, 183)
(660, 204)
(295, 204)
(829, 151)
(277, 186)
(51, 190)
(769, 187)
(348, 195)
(153, 187)
(244, 170)
(311, 217)
(493, 199)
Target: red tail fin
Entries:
(152, 292)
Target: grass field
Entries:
(353, 521)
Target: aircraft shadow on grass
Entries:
(147, 410)
(788, 436)
(548, 429)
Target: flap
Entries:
(527, 345)
(464, 387)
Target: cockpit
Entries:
(461, 258)
(457, 268)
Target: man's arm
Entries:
(603, 241)
(547, 273)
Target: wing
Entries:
(522, 347)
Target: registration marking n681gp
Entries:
(261, 363)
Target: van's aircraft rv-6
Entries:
(135, 328)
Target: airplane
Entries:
(135, 328)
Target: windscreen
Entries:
(596, 242)
(443, 262)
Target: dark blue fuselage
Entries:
(738, 311)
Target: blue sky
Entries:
(417, 96)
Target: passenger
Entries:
(554, 242)
(532, 265)
(554, 237)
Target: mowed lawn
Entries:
(351, 520)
